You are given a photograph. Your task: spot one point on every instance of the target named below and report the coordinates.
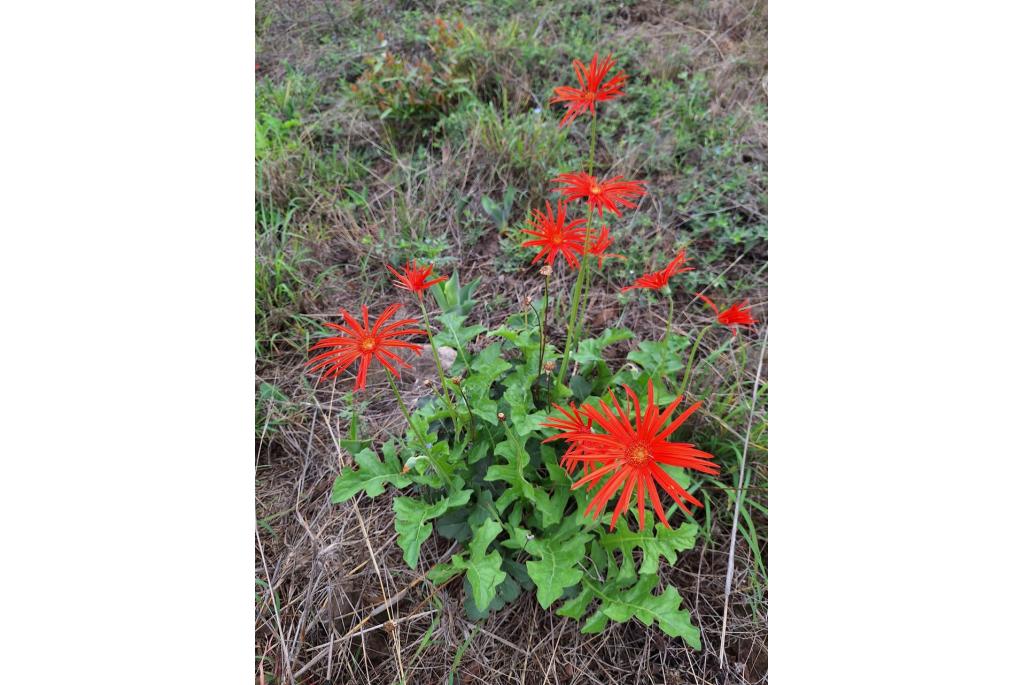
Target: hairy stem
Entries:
(570, 334)
(543, 323)
(586, 257)
(671, 310)
(440, 369)
(472, 422)
(689, 364)
(419, 436)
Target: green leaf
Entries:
(442, 572)
(478, 452)
(454, 334)
(371, 476)
(487, 367)
(580, 387)
(595, 624)
(512, 471)
(451, 296)
(638, 602)
(270, 392)
(519, 572)
(412, 518)
(489, 363)
(590, 350)
(661, 542)
(577, 606)
(517, 539)
(483, 536)
(660, 357)
(551, 507)
(483, 569)
(557, 568)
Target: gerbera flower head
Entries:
(364, 343)
(555, 236)
(632, 452)
(598, 246)
(593, 88)
(659, 279)
(573, 423)
(735, 316)
(609, 194)
(415, 278)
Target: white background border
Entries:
(127, 276)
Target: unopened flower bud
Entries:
(501, 416)
(549, 366)
(545, 270)
(457, 380)
(529, 300)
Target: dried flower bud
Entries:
(405, 469)
(549, 366)
(529, 300)
(457, 380)
(501, 416)
(546, 270)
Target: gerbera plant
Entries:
(659, 281)
(550, 485)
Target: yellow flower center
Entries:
(590, 96)
(368, 344)
(557, 239)
(638, 453)
(595, 190)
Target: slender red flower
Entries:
(632, 455)
(414, 278)
(599, 244)
(659, 279)
(735, 316)
(591, 90)
(572, 423)
(365, 344)
(555, 237)
(609, 194)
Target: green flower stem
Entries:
(566, 353)
(472, 422)
(440, 369)
(585, 298)
(671, 308)
(570, 334)
(689, 364)
(543, 323)
(445, 476)
(586, 257)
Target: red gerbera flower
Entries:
(555, 237)
(572, 423)
(599, 244)
(591, 90)
(600, 195)
(659, 279)
(632, 455)
(735, 316)
(414, 277)
(364, 343)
